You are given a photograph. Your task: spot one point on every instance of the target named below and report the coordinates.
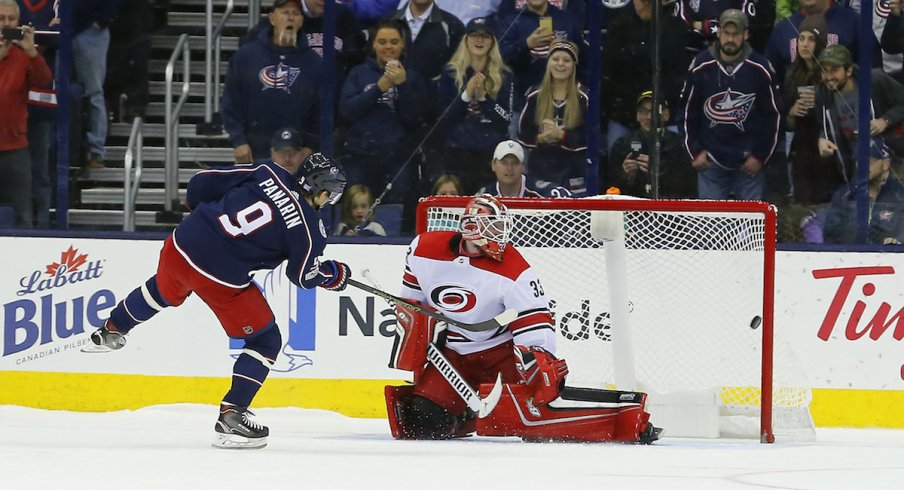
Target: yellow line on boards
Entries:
(109, 392)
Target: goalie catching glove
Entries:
(414, 330)
(542, 372)
(336, 275)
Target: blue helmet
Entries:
(319, 172)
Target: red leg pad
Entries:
(396, 399)
(515, 415)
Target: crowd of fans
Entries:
(446, 96)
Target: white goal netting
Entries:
(692, 280)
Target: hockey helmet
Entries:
(487, 224)
(318, 173)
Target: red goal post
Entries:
(672, 297)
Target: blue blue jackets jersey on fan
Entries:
(250, 217)
(730, 113)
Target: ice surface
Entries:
(168, 447)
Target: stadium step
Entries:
(189, 109)
(115, 196)
(113, 175)
(157, 130)
(113, 218)
(168, 42)
(157, 154)
(196, 19)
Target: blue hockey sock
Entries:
(139, 306)
(253, 366)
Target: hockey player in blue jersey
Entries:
(244, 218)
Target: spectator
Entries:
(813, 179)
(577, 8)
(629, 160)
(21, 68)
(272, 83)
(628, 54)
(465, 10)
(731, 117)
(703, 17)
(432, 35)
(838, 100)
(552, 122)
(447, 185)
(357, 215)
(525, 44)
(784, 9)
(384, 101)
(893, 35)
(476, 94)
(369, 12)
(91, 39)
(508, 165)
(42, 107)
(844, 29)
(883, 14)
(348, 40)
(886, 204)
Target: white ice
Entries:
(168, 447)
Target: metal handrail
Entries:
(212, 60)
(171, 184)
(132, 182)
(254, 13)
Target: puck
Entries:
(756, 322)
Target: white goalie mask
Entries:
(487, 224)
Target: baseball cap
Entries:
(286, 137)
(509, 147)
(648, 95)
(879, 150)
(280, 3)
(836, 55)
(733, 16)
(479, 24)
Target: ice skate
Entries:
(236, 430)
(105, 339)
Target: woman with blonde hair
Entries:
(475, 98)
(552, 122)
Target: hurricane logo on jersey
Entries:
(728, 107)
(278, 77)
(454, 299)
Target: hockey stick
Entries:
(481, 406)
(499, 320)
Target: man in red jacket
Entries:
(21, 68)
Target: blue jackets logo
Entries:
(279, 77)
(728, 107)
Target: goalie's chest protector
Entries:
(469, 289)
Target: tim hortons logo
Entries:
(880, 322)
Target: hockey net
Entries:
(692, 323)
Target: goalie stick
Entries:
(499, 320)
(481, 406)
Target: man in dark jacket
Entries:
(272, 83)
(837, 100)
(886, 203)
(629, 160)
(731, 116)
(432, 36)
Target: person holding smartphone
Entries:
(21, 68)
(629, 160)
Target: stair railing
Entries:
(254, 13)
(132, 181)
(212, 59)
(171, 175)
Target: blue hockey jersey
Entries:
(250, 217)
(730, 112)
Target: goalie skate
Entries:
(236, 430)
(105, 340)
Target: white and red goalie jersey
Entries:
(476, 289)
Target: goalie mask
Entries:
(318, 173)
(487, 224)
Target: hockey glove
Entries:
(414, 330)
(542, 372)
(336, 275)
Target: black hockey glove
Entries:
(337, 275)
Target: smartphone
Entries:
(13, 33)
(546, 25)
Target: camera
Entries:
(13, 33)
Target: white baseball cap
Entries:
(508, 147)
